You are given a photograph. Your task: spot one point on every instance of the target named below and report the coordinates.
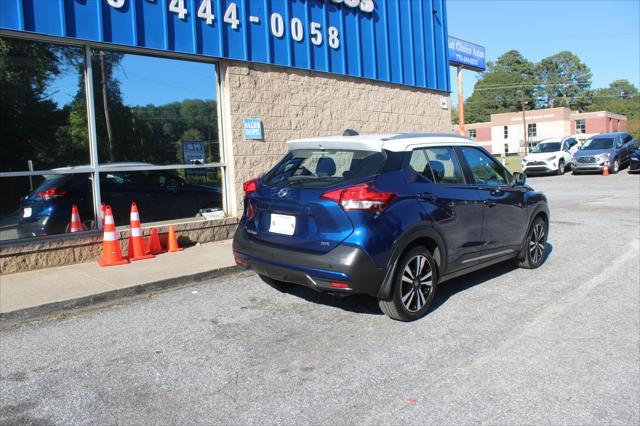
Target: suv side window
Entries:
(420, 164)
(442, 164)
(485, 170)
(627, 139)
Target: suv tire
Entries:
(277, 284)
(535, 245)
(615, 166)
(561, 167)
(414, 286)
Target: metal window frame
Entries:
(95, 168)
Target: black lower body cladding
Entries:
(342, 264)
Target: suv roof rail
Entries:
(424, 135)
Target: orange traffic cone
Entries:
(76, 225)
(136, 249)
(111, 254)
(153, 245)
(605, 170)
(172, 241)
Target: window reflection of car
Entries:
(159, 194)
(550, 156)
(613, 149)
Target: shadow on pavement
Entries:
(365, 304)
(465, 282)
(357, 303)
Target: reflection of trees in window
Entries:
(161, 128)
(149, 133)
(34, 127)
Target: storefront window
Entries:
(42, 106)
(46, 209)
(44, 127)
(157, 138)
(153, 105)
(161, 194)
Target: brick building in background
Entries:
(505, 132)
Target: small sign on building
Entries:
(193, 153)
(253, 128)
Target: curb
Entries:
(38, 312)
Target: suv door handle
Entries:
(428, 197)
(489, 203)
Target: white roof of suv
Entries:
(392, 142)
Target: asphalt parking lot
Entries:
(555, 345)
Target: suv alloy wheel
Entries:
(414, 286)
(615, 166)
(535, 245)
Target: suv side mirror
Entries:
(519, 179)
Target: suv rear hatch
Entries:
(286, 207)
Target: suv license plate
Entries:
(282, 224)
(26, 212)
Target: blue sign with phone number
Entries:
(397, 41)
(467, 55)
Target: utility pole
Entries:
(460, 103)
(524, 121)
(105, 104)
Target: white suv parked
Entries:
(551, 155)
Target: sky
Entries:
(605, 35)
(147, 80)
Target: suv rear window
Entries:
(317, 168)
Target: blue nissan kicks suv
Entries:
(391, 216)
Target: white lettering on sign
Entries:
(204, 12)
(115, 3)
(366, 6)
(297, 31)
(297, 27)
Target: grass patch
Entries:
(513, 163)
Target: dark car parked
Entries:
(392, 216)
(159, 194)
(613, 149)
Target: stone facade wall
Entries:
(296, 104)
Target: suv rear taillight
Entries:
(52, 193)
(360, 197)
(250, 186)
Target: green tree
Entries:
(621, 97)
(499, 88)
(30, 120)
(562, 80)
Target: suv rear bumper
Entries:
(344, 264)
